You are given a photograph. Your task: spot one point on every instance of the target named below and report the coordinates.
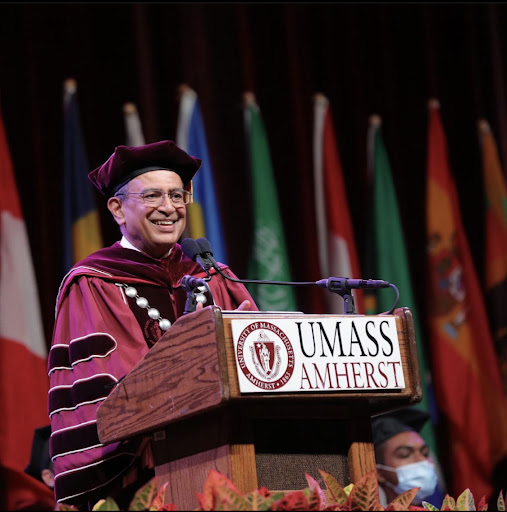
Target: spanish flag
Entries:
(466, 373)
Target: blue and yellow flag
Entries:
(81, 223)
(203, 214)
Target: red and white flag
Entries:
(24, 381)
(337, 247)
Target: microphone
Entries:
(192, 285)
(338, 284)
(192, 282)
(205, 249)
(341, 285)
(191, 249)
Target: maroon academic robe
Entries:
(99, 336)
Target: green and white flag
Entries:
(269, 259)
(391, 261)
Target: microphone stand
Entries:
(349, 307)
(191, 286)
(200, 251)
(191, 302)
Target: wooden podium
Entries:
(185, 394)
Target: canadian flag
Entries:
(24, 382)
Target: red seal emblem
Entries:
(265, 355)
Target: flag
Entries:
(369, 245)
(495, 260)
(392, 262)
(466, 373)
(133, 128)
(335, 233)
(203, 214)
(269, 260)
(81, 222)
(24, 382)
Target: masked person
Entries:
(112, 307)
(403, 457)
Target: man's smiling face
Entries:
(153, 229)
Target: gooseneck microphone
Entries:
(191, 248)
(192, 282)
(194, 286)
(207, 254)
(340, 285)
(336, 284)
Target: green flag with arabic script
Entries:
(269, 260)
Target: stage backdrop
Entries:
(379, 59)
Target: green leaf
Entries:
(107, 504)
(448, 503)
(315, 487)
(259, 501)
(338, 494)
(429, 506)
(348, 489)
(465, 501)
(159, 499)
(365, 492)
(144, 496)
(314, 496)
(228, 498)
(403, 501)
(214, 481)
(500, 502)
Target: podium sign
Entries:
(280, 354)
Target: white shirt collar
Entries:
(128, 245)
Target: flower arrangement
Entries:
(220, 493)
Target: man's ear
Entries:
(190, 188)
(115, 206)
(48, 477)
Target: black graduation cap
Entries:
(39, 458)
(387, 425)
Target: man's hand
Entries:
(244, 306)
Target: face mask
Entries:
(419, 474)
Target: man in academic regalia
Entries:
(112, 307)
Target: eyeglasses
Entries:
(155, 197)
